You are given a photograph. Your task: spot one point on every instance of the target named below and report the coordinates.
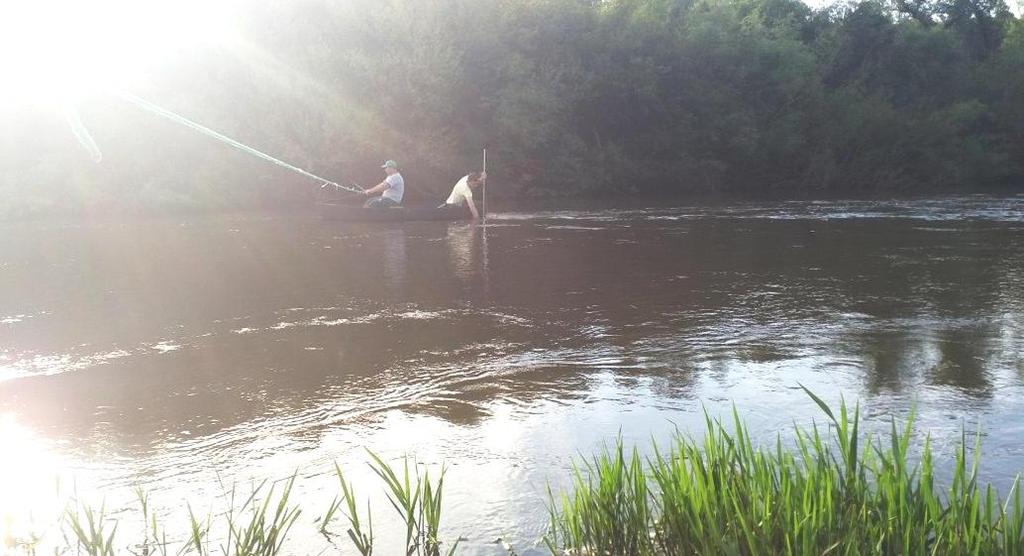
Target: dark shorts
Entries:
(380, 202)
(455, 210)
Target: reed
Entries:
(92, 531)
(258, 526)
(362, 540)
(832, 490)
(154, 540)
(260, 529)
(414, 496)
(836, 492)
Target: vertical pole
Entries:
(483, 193)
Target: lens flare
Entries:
(55, 51)
(30, 498)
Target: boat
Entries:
(330, 210)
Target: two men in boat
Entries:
(390, 191)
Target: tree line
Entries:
(572, 97)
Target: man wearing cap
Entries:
(390, 190)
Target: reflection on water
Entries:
(395, 263)
(181, 353)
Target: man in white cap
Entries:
(390, 190)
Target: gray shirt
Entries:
(395, 187)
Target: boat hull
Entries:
(356, 213)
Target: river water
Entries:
(187, 354)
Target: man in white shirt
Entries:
(462, 194)
(391, 189)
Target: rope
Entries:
(149, 106)
(82, 134)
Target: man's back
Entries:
(461, 193)
(396, 187)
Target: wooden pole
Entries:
(483, 193)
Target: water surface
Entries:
(187, 354)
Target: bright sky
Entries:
(51, 50)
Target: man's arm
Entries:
(379, 188)
(472, 207)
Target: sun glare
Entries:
(29, 474)
(52, 51)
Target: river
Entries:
(186, 354)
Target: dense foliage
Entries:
(663, 97)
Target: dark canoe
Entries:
(356, 213)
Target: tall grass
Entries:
(256, 527)
(93, 532)
(832, 490)
(415, 497)
(836, 492)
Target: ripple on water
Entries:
(496, 369)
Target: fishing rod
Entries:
(163, 112)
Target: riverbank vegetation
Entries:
(836, 491)
(573, 97)
(832, 490)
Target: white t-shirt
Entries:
(461, 193)
(395, 187)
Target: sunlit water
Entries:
(187, 355)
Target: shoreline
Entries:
(129, 213)
(835, 488)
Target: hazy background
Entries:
(746, 98)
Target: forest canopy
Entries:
(571, 97)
